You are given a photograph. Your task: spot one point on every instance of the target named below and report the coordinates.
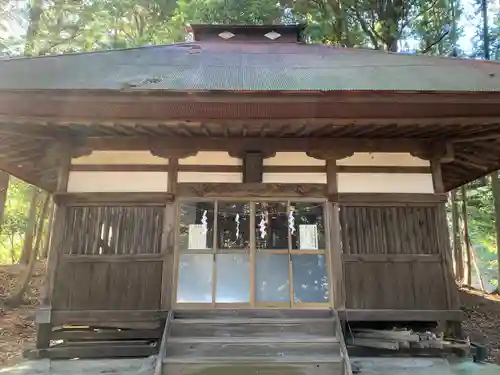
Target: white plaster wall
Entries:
(211, 158)
(117, 182)
(294, 178)
(402, 159)
(210, 177)
(385, 183)
(292, 158)
(120, 157)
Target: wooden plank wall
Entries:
(112, 259)
(397, 251)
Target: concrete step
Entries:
(289, 365)
(252, 327)
(224, 347)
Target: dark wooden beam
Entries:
(344, 146)
(251, 190)
(76, 199)
(374, 199)
(61, 317)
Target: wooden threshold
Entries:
(400, 315)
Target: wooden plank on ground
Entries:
(400, 315)
(105, 334)
(95, 351)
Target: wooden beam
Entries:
(81, 199)
(192, 144)
(90, 334)
(61, 317)
(251, 190)
(101, 350)
(387, 258)
(401, 315)
(388, 198)
(111, 258)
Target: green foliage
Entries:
(15, 221)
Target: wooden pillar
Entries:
(335, 253)
(169, 223)
(336, 267)
(169, 234)
(43, 319)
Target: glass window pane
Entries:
(196, 225)
(271, 225)
(272, 278)
(233, 225)
(310, 278)
(195, 278)
(233, 278)
(308, 231)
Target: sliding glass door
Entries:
(252, 254)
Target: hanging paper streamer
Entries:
(262, 225)
(237, 220)
(291, 221)
(204, 221)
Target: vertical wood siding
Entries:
(389, 230)
(392, 257)
(112, 259)
(113, 230)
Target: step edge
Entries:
(251, 340)
(333, 358)
(252, 320)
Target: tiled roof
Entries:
(248, 67)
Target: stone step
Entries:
(289, 365)
(251, 327)
(252, 346)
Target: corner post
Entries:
(43, 319)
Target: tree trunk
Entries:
(467, 242)
(457, 246)
(4, 186)
(30, 229)
(17, 298)
(476, 267)
(46, 243)
(486, 35)
(495, 188)
(41, 223)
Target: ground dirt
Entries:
(17, 327)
